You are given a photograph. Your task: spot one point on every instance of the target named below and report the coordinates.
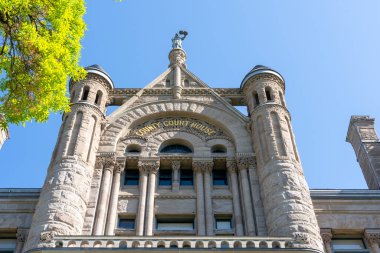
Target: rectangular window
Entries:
(127, 223)
(223, 224)
(165, 177)
(219, 177)
(7, 245)
(131, 177)
(181, 224)
(347, 244)
(186, 177)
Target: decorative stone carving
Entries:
(150, 166)
(231, 166)
(301, 238)
(22, 235)
(326, 236)
(176, 165)
(203, 165)
(46, 237)
(372, 236)
(245, 162)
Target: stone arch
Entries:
(121, 121)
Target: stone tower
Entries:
(363, 138)
(284, 191)
(63, 200)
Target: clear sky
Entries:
(327, 51)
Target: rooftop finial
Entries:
(177, 40)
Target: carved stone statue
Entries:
(177, 40)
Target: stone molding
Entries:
(372, 235)
(264, 77)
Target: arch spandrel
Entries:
(231, 122)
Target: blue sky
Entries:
(327, 51)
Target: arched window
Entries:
(186, 83)
(219, 149)
(256, 101)
(167, 83)
(133, 148)
(86, 90)
(98, 98)
(176, 148)
(268, 93)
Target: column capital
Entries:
(245, 162)
(231, 166)
(150, 166)
(326, 235)
(119, 164)
(22, 234)
(372, 235)
(203, 165)
(176, 165)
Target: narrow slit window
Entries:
(186, 177)
(256, 101)
(268, 94)
(86, 91)
(219, 177)
(98, 97)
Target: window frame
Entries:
(137, 178)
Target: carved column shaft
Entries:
(114, 197)
(142, 198)
(232, 167)
(200, 199)
(101, 210)
(243, 165)
(175, 167)
(206, 167)
(152, 167)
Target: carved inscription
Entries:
(178, 123)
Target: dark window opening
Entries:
(268, 94)
(133, 148)
(186, 83)
(127, 223)
(256, 101)
(218, 149)
(85, 93)
(167, 83)
(186, 177)
(165, 177)
(131, 177)
(219, 177)
(176, 148)
(98, 97)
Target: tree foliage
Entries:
(39, 49)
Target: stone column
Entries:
(200, 198)
(207, 170)
(232, 167)
(22, 235)
(177, 58)
(114, 197)
(373, 238)
(153, 167)
(326, 238)
(101, 210)
(175, 167)
(142, 198)
(243, 164)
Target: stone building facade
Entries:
(176, 166)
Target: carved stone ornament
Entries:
(107, 161)
(203, 166)
(176, 165)
(46, 236)
(151, 166)
(301, 238)
(119, 165)
(22, 235)
(245, 162)
(372, 236)
(231, 166)
(326, 235)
